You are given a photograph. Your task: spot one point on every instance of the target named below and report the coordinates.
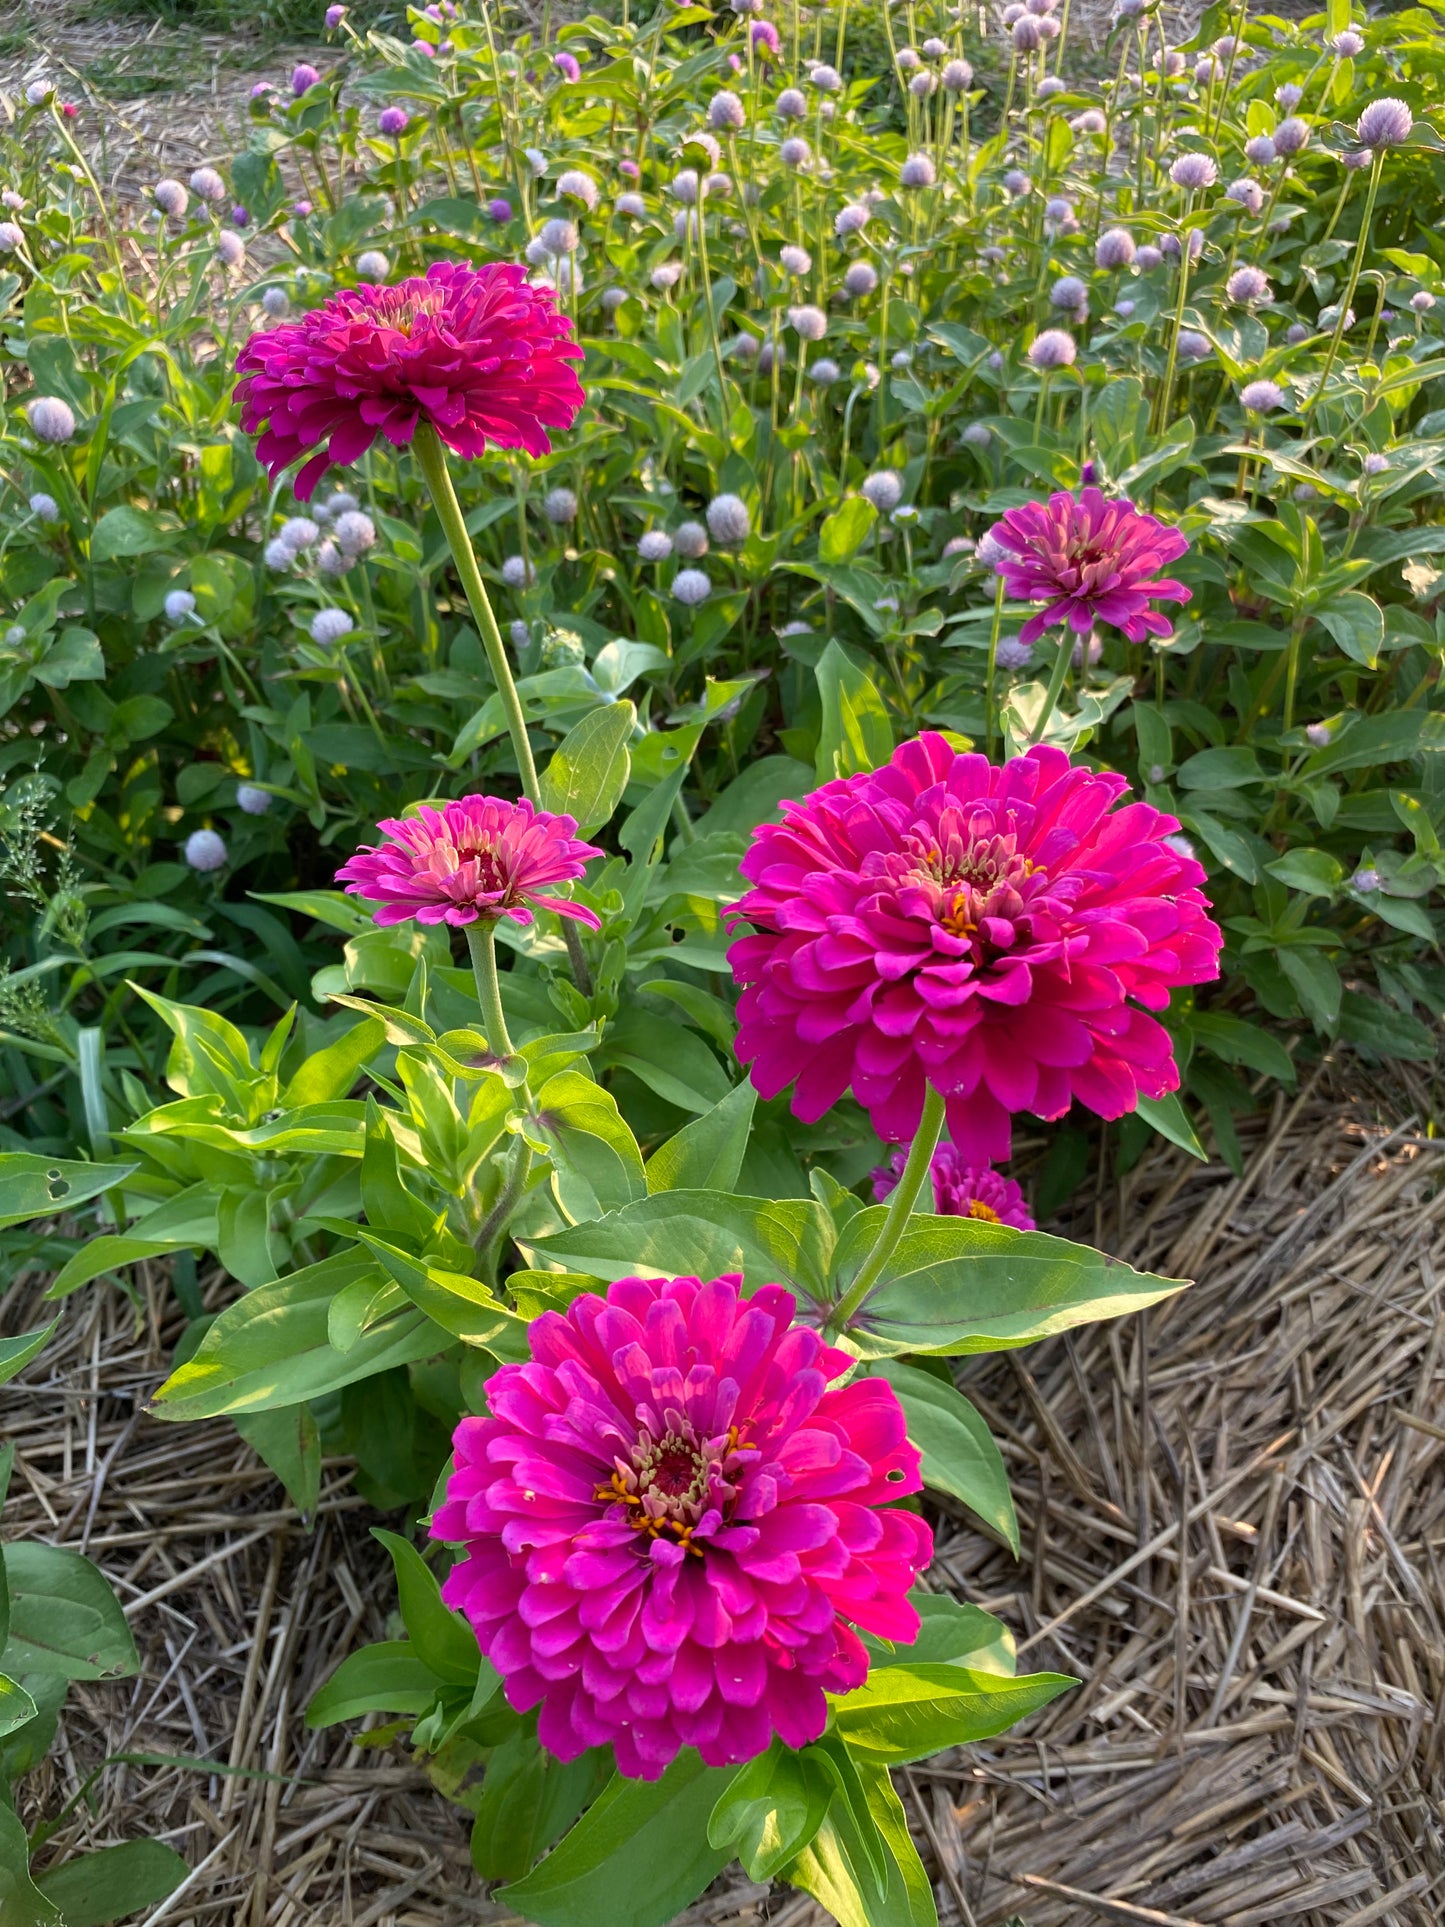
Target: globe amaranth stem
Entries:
(900, 1206)
(449, 513)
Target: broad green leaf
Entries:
(1236, 1042)
(389, 1677)
(16, 1705)
(1357, 624)
(707, 1154)
(1315, 872)
(1220, 769)
(16, 1353)
(21, 1902)
(528, 1797)
(288, 1441)
(701, 1234)
(637, 1857)
(906, 1712)
(670, 1059)
(36, 1187)
(94, 1889)
(1388, 1032)
(1366, 742)
(772, 1810)
(950, 1632)
(439, 1636)
(271, 1347)
(1316, 983)
(590, 767)
(957, 1285)
(458, 1303)
(332, 1072)
(846, 530)
(126, 531)
(597, 1166)
(960, 1456)
(64, 1619)
(851, 1825)
(209, 1055)
(857, 733)
(1168, 1117)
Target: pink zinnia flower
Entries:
(1091, 560)
(476, 859)
(961, 1190)
(480, 353)
(987, 931)
(672, 1524)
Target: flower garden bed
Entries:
(708, 762)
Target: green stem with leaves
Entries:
(900, 1207)
(1342, 319)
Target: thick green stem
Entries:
(989, 711)
(1166, 396)
(482, 942)
(1056, 684)
(900, 1206)
(449, 513)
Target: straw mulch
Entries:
(1233, 1517)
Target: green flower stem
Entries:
(990, 713)
(900, 1206)
(1376, 169)
(1056, 684)
(1186, 239)
(449, 513)
(482, 943)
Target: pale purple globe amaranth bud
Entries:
(1247, 194)
(1261, 397)
(860, 280)
(568, 66)
(1194, 346)
(1148, 257)
(654, 545)
(1053, 348)
(728, 520)
(957, 77)
(690, 587)
(1248, 285)
(51, 419)
(171, 198)
(205, 851)
(1260, 150)
(1291, 136)
(791, 104)
(251, 800)
(1068, 292)
(392, 121)
(1385, 123)
(1194, 171)
(1347, 44)
(795, 260)
(917, 171)
(794, 152)
(725, 112)
(207, 183)
(884, 489)
(1115, 248)
(303, 78)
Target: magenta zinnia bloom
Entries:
(961, 1190)
(474, 860)
(672, 1524)
(987, 931)
(479, 353)
(1091, 560)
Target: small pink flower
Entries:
(479, 353)
(961, 1190)
(671, 1524)
(990, 931)
(475, 860)
(1091, 560)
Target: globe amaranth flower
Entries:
(1291, 136)
(479, 353)
(988, 931)
(1052, 348)
(1115, 248)
(1194, 171)
(392, 121)
(1090, 560)
(204, 850)
(961, 1190)
(51, 419)
(1385, 123)
(672, 1522)
(1248, 285)
(474, 860)
(1261, 397)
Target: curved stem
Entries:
(1056, 683)
(454, 527)
(497, 1219)
(900, 1207)
(989, 711)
